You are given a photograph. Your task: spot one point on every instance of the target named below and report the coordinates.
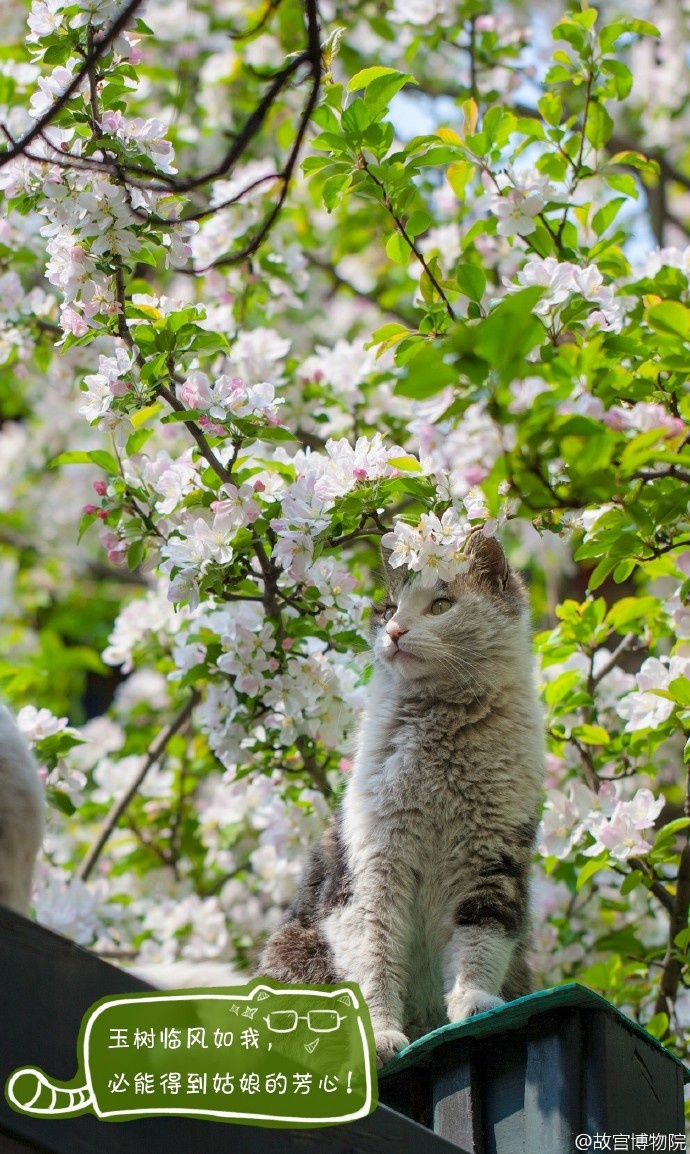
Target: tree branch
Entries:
(98, 49)
(119, 806)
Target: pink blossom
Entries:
(212, 428)
(114, 547)
(196, 392)
(111, 121)
(72, 322)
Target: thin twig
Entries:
(406, 237)
(627, 642)
(119, 806)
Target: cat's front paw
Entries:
(470, 1002)
(388, 1042)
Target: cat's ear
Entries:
(488, 562)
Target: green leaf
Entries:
(669, 831)
(637, 160)
(670, 317)
(599, 126)
(357, 117)
(623, 182)
(566, 29)
(380, 85)
(607, 214)
(621, 75)
(630, 610)
(510, 331)
(427, 374)
(397, 249)
(591, 734)
(588, 871)
(334, 188)
(409, 464)
(623, 570)
(135, 554)
(471, 281)
(558, 689)
(418, 223)
(601, 572)
(657, 1025)
(60, 800)
(551, 108)
(611, 32)
(362, 79)
(143, 415)
(98, 457)
(631, 882)
(380, 92)
(679, 690)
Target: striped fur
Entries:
(419, 889)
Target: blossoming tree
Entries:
(278, 282)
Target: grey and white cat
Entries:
(419, 889)
(21, 816)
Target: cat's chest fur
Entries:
(428, 783)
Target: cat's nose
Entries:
(394, 630)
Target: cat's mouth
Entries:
(403, 654)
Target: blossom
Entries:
(44, 18)
(620, 833)
(561, 280)
(216, 537)
(37, 724)
(172, 480)
(238, 504)
(644, 709)
(51, 87)
(516, 212)
(293, 550)
(196, 391)
(345, 465)
(466, 451)
(433, 548)
(231, 396)
(560, 827)
(67, 905)
(258, 356)
(643, 417)
(344, 367)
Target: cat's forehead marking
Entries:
(414, 595)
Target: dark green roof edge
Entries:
(514, 1015)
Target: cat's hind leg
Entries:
(297, 953)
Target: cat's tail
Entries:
(30, 1091)
(21, 816)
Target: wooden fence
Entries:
(526, 1079)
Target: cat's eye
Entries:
(389, 612)
(441, 605)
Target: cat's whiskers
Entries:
(460, 668)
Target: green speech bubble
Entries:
(268, 1054)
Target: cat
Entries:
(21, 816)
(418, 890)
